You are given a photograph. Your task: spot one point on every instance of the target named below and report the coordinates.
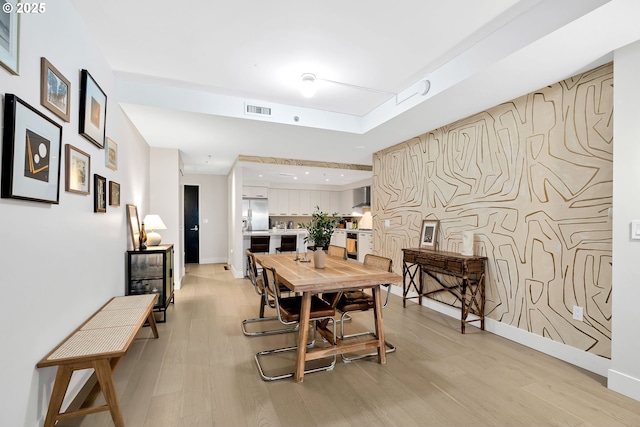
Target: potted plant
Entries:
(320, 229)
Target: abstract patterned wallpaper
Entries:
(532, 178)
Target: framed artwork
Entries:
(114, 194)
(77, 170)
(93, 110)
(9, 36)
(134, 225)
(111, 155)
(55, 90)
(99, 193)
(429, 233)
(31, 149)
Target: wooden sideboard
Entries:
(466, 280)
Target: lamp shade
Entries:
(153, 223)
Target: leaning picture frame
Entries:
(134, 225)
(429, 233)
(55, 90)
(31, 149)
(99, 194)
(114, 193)
(93, 110)
(77, 170)
(10, 36)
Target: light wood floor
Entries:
(201, 373)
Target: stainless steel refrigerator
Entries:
(256, 213)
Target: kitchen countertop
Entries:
(277, 232)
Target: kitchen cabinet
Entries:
(314, 199)
(339, 238)
(334, 202)
(325, 202)
(346, 202)
(283, 201)
(365, 244)
(294, 202)
(151, 271)
(273, 201)
(258, 192)
(305, 203)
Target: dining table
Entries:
(338, 275)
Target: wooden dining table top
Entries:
(338, 274)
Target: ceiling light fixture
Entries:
(308, 88)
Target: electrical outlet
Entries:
(387, 223)
(578, 313)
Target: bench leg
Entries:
(63, 376)
(105, 378)
(152, 323)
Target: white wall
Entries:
(61, 262)
(624, 375)
(166, 201)
(214, 221)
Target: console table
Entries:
(468, 273)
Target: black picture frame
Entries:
(31, 151)
(93, 110)
(99, 193)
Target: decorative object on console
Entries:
(467, 243)
(31, 148)
(429, 233)
(134, 225)
(153, 223)
(93, 110)
(55, 90)
(99, 193)
(319, 258)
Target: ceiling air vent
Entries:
(257, 111)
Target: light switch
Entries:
(635, 229)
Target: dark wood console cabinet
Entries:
(467, 283)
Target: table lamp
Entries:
(153, 223)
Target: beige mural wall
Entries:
(532, 178)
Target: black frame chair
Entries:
(288, 243)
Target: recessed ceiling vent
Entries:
(257, 110)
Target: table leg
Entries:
(303, 335)
(152, 323)
(103, 371)
(379, 324)
(63, 376)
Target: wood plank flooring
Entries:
(201, 373)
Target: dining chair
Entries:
(288, 243)
(352, 301)
(288, 312)
(337, 251)
(255, 276)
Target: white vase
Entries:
(319, 258)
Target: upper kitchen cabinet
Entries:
(257, 192)
(305, 203)
(294, 202)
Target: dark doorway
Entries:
(191, 225)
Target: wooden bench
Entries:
(99, 344)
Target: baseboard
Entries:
(572, 355)
(624, 384)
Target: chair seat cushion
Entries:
(355, 301)
(290, 308)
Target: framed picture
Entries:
(55, 90)
(114, 194)
(31, 149)
(9, 36)
(93, 110)
(111, 155)
(77, 170)
(99, 193)
(134, 225)
(429, 233)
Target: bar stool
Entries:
(288, 243)
(260, 244)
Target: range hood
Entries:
(362, 197)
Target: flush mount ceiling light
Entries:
(308, 86)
